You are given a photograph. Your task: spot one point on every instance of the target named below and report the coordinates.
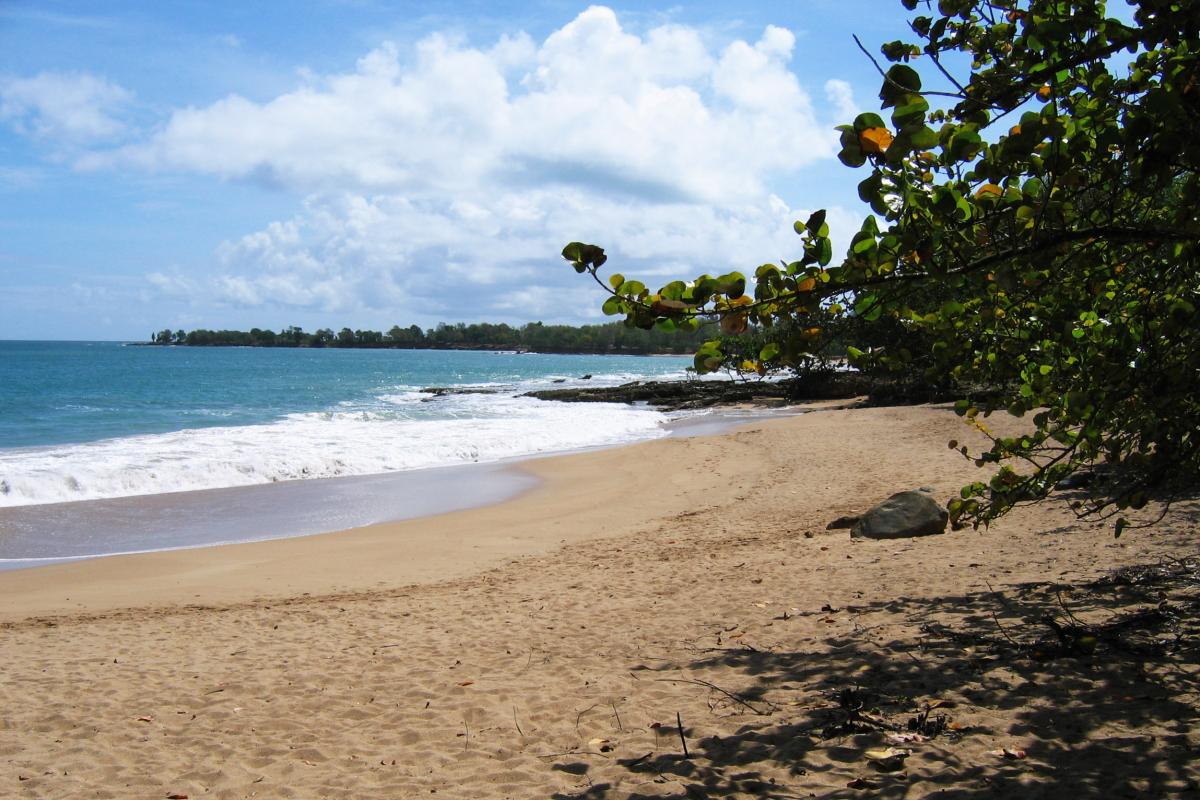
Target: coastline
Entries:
(547, 645)
(57, 533)
(445, 539)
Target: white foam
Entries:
(400, 432)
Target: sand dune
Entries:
(546, 647)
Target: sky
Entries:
(364, 163)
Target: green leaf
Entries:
(816, 221)
(732, 285)
(852, 155)
(923, 138)
(769, 352)
(901, 80)
(586, 254)
(964, 145)
(912, 112)
(866, 121)
(825, 252)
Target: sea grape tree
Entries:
(1034, 223)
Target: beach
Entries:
(573, 641)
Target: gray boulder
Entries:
(902, 516)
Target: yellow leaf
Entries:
(1043, 94)
(664, 307)
(806, 285)
(890, 752)
(988, 188)
(874, 140)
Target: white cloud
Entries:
(494, 258)
(172, 284)
(661, 114)
(841, 96)
(64, 108)
(441, 182)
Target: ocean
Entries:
(105, 447)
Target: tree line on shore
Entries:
(533, 336)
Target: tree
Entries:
(1035, 223)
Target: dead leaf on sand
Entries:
(1007, 752)
(888, 759)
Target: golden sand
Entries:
(551, 645)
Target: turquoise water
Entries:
(97, 420)
(69, 392)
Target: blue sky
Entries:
(360, 163)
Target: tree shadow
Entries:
(1100, 679)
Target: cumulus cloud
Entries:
(494, 258)
(841, 96)
(64, 108)
(659, 114)
(441, 180)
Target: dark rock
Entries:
(668, 395)
(901, 516)
(1077, 480)
(439, 391)
(847, 521)
(688, 394)
(587, 377)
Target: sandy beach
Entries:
(573, 641)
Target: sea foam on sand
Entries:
(403, 431)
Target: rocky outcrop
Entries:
(669, 395)
(442, 391)
(675, 395)
(902, 516)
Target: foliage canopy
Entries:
(1035, 228)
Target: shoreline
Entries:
(190, 519)
(181, 574)
(677, 591)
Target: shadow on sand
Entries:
(1100, 680)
